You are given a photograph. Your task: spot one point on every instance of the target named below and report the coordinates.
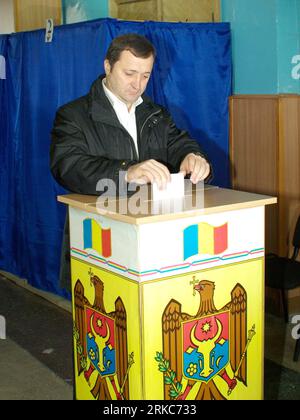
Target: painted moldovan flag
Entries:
(205, 239)
(97, 238)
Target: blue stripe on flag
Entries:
(190, 241)
(87, 234)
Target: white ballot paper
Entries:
(174, 190)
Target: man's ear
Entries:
(107, 67)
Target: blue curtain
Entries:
(191, 77)
(8, 233)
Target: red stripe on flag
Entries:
(220, 238)
(106, 243)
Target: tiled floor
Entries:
(279, 343)
(24, 377)
(35, 360)
(282, 374)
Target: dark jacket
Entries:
(89, 143)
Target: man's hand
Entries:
(149, 171)
(195, 165)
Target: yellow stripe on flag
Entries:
(96, 237)
(205, 239)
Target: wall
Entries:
(253, 25)
(32, 14)
(288, 44)
(265, 38)
(82, 10)
(7, 21)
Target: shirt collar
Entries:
(115, 101)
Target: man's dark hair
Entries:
(138, 45)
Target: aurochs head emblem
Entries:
(100, 342)
(205, 346)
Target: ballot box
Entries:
(168, 305)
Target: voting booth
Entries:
(168, 305)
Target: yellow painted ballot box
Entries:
(169, 305)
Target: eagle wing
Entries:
(80, 302)
(121, 344)
(238, 331)
(172, 339)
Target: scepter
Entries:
(130, 363)
(251, 334)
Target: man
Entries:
(116, 128)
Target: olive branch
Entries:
(79, 347)
(169, 375)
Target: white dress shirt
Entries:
(126, 118)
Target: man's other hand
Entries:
(196, 166)
(149, 171)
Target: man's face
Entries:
(129, 76)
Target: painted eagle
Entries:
(101, 342)
(196, 346)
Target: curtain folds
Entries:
(191, 77)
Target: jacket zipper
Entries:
(146, 120)
(133, 153)
(132, 146)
